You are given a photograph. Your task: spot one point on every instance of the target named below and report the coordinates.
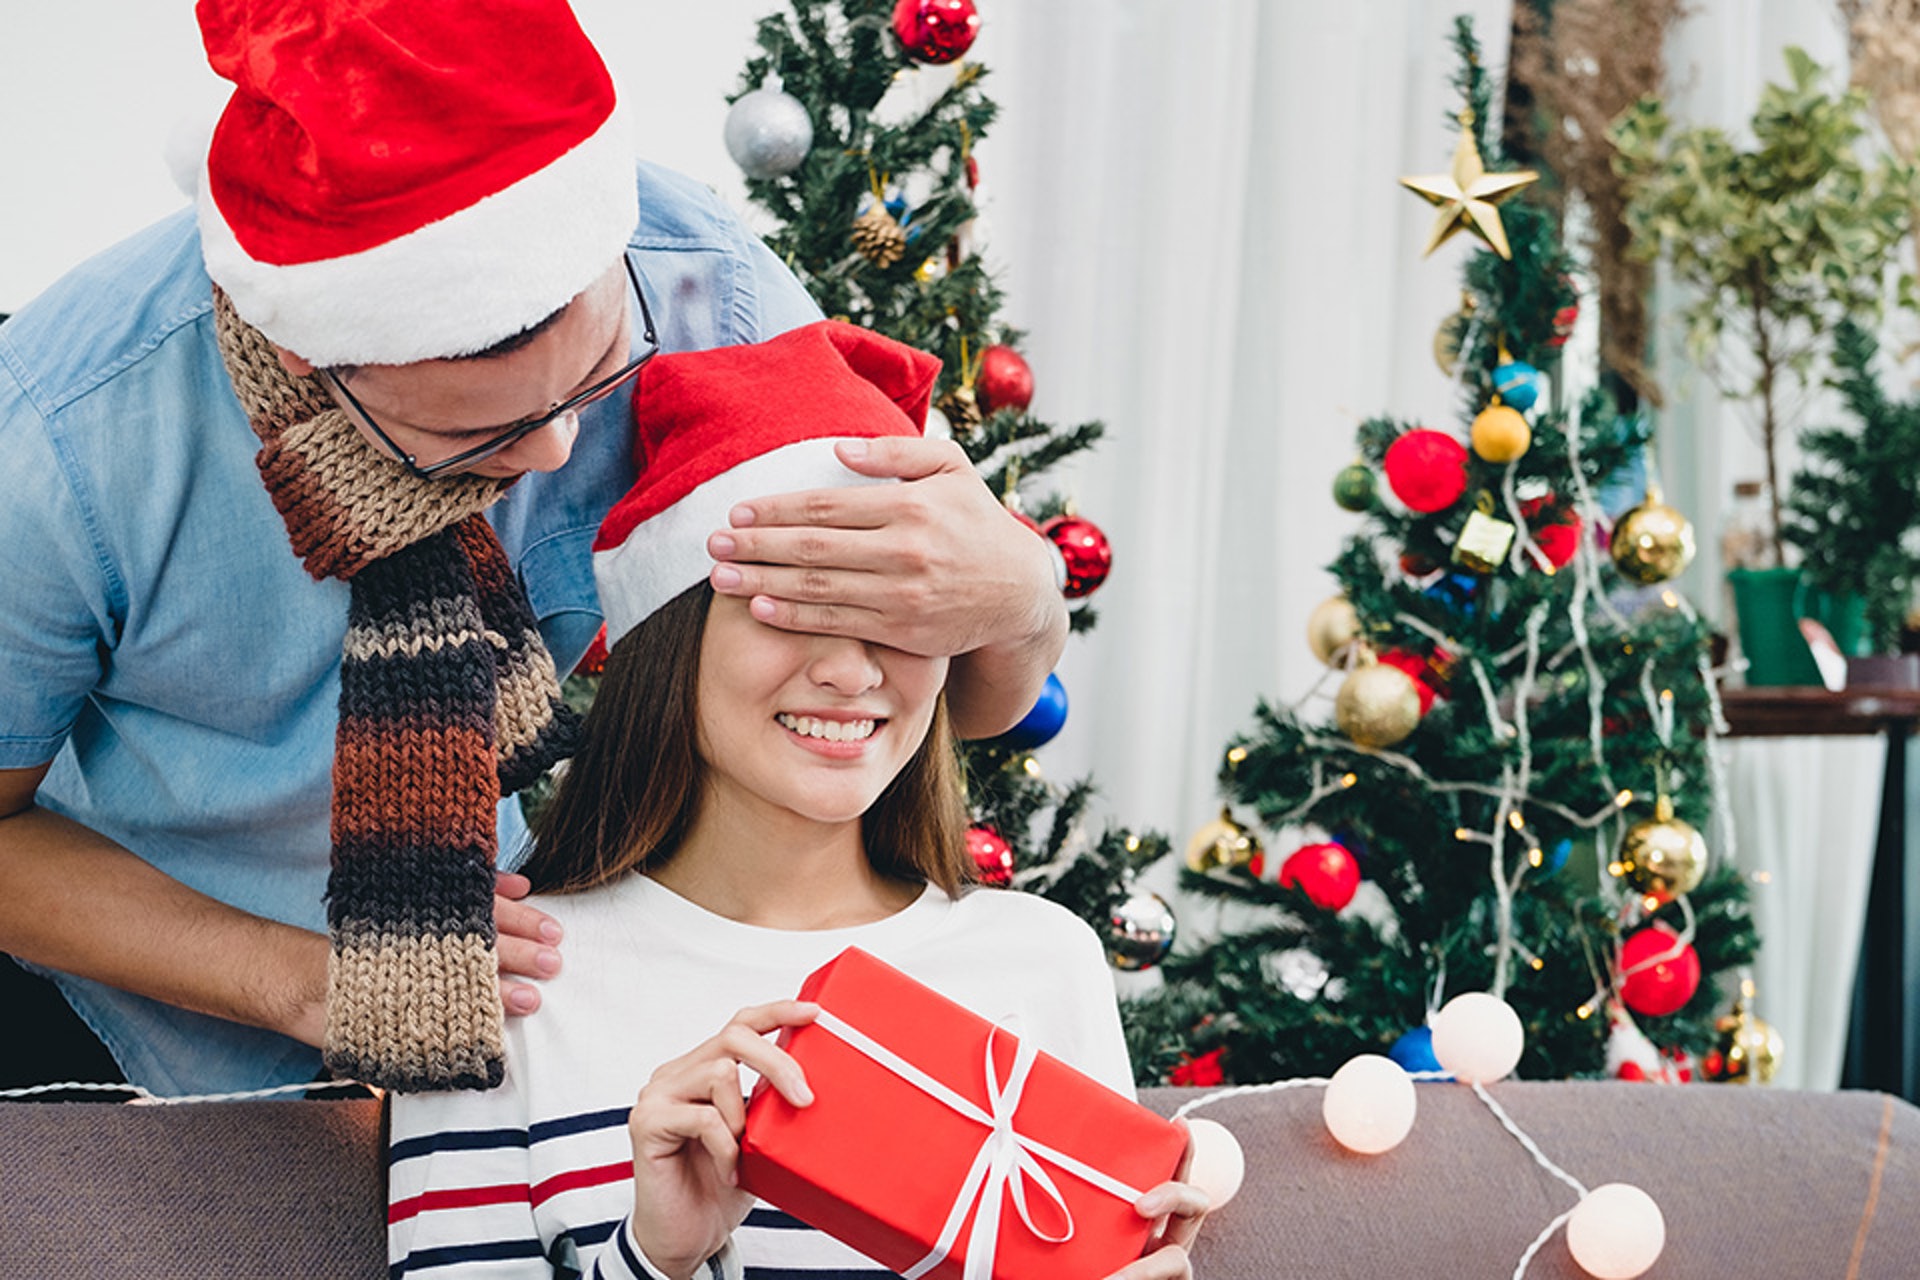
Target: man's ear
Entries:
(298, 366)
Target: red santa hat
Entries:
(717, 427)
(401, 180)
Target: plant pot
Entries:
(1769, 604)
(1843, 614)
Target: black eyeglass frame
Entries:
(509, 435)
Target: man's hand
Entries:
(934, 566)
(525, 941)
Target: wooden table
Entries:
(1879, 1053)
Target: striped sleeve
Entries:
(471, 1197)
(459, 1203)
(623, 1260)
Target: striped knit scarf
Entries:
(448, 700)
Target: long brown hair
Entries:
(632, 791)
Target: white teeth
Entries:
(829, 730)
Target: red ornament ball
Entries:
(973, 173)
(1327, 872)
(1418, 669)
(1417, 565)
(1088, 554)
(1004, 381)
(1557, 542)
(1427, 470)
(1661, 987)
(992, 856)
(935, 31)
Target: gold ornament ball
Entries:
(1747, 1051)
(1221, 843)
(1662, 857)
(1331, 627)
(1377, 705)
(1500, 434)
(1652, 542)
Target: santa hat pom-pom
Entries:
(187, 143)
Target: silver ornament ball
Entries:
(768, 133)
(1139, 931)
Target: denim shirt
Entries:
(163, 648)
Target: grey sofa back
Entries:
(1753, 1183)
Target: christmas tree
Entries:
(1506, 795)
(872, 205)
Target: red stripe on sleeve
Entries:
(575, 1179)
(457, 1198)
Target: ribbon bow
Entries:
(1006, 1162)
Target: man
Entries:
(418, 274)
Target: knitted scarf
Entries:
(448, 700)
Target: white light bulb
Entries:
(1369, 1105)
(1218, 1163)
(1478, 1038)
(1616, 1232)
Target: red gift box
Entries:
(899, 1157)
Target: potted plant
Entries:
(1853, 508)
(1777, 243)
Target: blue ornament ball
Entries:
(1038, 726)
(1456, 590)
(1518, 384)
(1553, 859)
(1414, 1051)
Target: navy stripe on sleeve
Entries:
(546, 1130)
(451, 1255)
(455, 1140)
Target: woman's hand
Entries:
(1177, 1209)
(686, 1130)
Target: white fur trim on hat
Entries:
(452, 287)
(667, 553)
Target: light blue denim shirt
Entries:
(163, 648)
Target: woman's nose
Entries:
(844, 665)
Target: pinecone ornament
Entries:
(879, 237)
(962, 408)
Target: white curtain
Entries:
(1807, 811)
(1202, 230)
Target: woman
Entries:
(792, 795)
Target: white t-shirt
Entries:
(535, 1178)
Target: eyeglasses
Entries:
(510, 435)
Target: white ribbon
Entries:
(1006, 1160)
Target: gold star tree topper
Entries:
(1466, 197)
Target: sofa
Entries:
(1752, 1182)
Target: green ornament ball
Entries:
(1353, 487)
